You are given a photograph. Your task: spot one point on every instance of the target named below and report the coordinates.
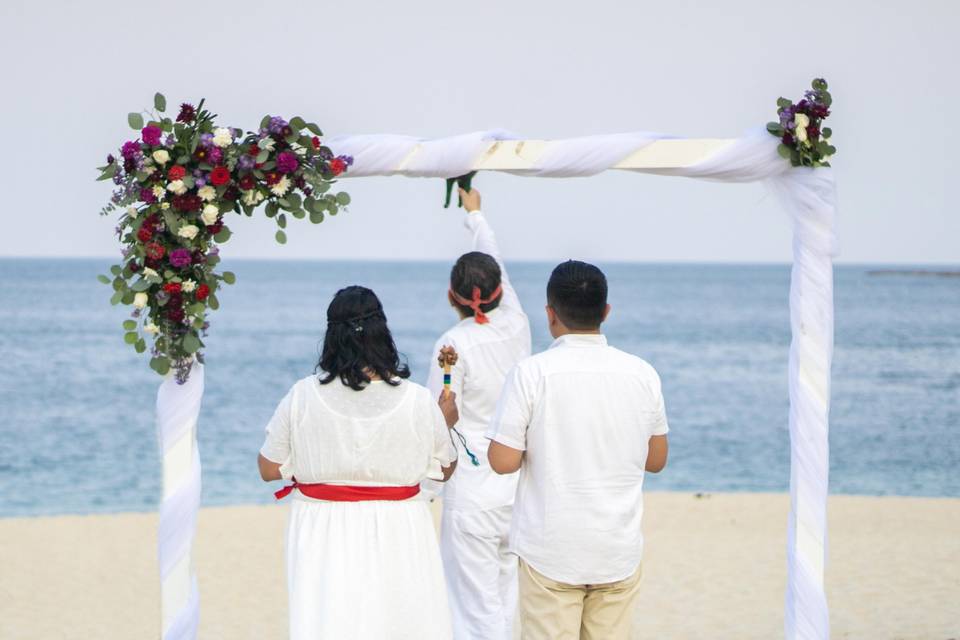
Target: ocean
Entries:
(77, 430)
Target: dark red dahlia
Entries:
(248, 182)
(315, 141)
(172, 287)
(788, 139)
(286, 131)
(187, 113)
(175, 311)
(134, 266)
(272, 177)
(232, 193)
(200, 154)
(145, 233)
(216, 227)
(187, 203)
(150, 263)
(253, 150)
(203, 291)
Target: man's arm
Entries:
(504, 459)
(657, 454)
(485, 241)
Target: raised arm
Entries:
(485, 241)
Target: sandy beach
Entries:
(713, 568)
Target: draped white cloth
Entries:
(808, 195)
(178, 407)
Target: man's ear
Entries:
(606, 312)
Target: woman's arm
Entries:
(269, 470)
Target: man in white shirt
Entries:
(492, 336)
(582, 421)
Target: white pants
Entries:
(481, 575)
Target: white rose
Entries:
(281, 187)
(150, 273)
(188, 231)
(177, 187)
(252, 197)
(140, 300)
(222, 137)
(800, 130)
(209, 215)
(159, 192)
(187, 286)
(151, 328)
(266, 143)
(161, 156)
(132, 211)
(207, 193)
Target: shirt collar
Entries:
(580, 340)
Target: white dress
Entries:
(359, 570)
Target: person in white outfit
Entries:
(356, 441)
(492, 336)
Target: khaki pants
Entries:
(551, 610)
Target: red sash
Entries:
(342, 493)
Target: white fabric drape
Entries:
(178, 407)
(808, 195)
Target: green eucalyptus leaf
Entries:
(159, 102)
(104, 279)
(130, 325)
(314, 129)
(140, 345)
(161, 365)
(116, 297)
(191, 343)
(316, 217)
(297, 123)
(271, 209)
(128, 297)
(265, 121)
(222, 236)
(827, 132)
(343, 198)
(213, 302)
(135, 120)
(229, 277)
(784, 150)
(130, 337)
(282, 221)
(281, 237)
(262, 156)
(140, 285)
(298, 213)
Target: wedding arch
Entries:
(182, 176)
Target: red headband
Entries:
(476, 301)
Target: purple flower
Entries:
(206, 139)
(199, 182)
(130, 149)
(110, 159)
(151, 135)
(246, 162)
(170, 140)
(215, 155)
(180, 257)
(287, 162)
(276, 124)
(146, 195)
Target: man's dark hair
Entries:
(358, 340)
(577, 293)
(475, 269)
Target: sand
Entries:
(713, 568)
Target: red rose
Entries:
(248, 182)
(219, 176)
(176, 172)
(172, 287)
(315, 141)
(145, 233)
(202, 292)
(337, 166)
(155, 250)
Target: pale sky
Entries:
(72, 70)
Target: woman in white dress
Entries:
(355, 441)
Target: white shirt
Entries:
(486, 353)
(584, 413)
(380, 436)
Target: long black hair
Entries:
(358, 338)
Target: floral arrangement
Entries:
(174, 185)
(803, 139)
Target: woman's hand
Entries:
(448, 405)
